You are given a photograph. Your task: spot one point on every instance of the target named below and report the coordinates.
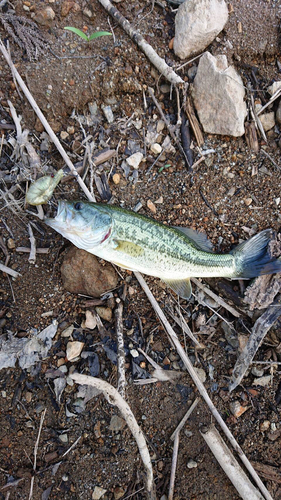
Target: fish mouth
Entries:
(63, 215)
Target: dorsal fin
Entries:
(199, 239)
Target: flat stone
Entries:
(197, 24)
(107, 111)
(104, 312)
(73, 349)
(219, 96)
(274, 87)
(155, 148)
(44, 16)
(267, 120)
(135, 159)
(98, 493)
(116, 423)
(82, 273)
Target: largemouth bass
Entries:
(138, 243)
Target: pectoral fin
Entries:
(180, 287)
(128, 248)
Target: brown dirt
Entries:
(115, 74)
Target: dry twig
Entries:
(150, 53)
(229, 464)
(8, 270)
(259, 331)
(168, 125)
(114, 398)
(185, 418)
(44, 122)
(174, 466)
(35, 453)
(218, 299)
(32, 255)
(200, 386)
(120, 349)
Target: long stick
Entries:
(45, 122)
(120, 347)
(114, 398)
(150, 53)
(174, 466)
(200, 386)
(229, 464)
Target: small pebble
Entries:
(151, 206)
(191, 464)
(134, 353)
(248, 201)
(237, 409)
(116, 423)
(104, 313)
(257, 372)
(28, 396)
(135, 159)
(116, 178)
(11, 244)
(118, 492)
(171, 43)
(265, 425)
(201, 374)
(160, 126)
(64, 135)
(155, 148)
(73, 349)
(107, 111)
(68, 331)
(63, 438)
(90, 321)
(263, 381)
(267, 120)
(63, 369)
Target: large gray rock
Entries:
(197, 24)
(218, 94)
(82, 273)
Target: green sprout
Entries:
(164, 166)
(80, 33)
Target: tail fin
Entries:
(252, 257)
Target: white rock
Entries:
(201, 374)
(73, 349)
(197, 24)
(90, 321)
(160, 126)
(191, 464)
(274, 87)
(263, 381)
(107, 111)
(267, 120)
(219, 96)
(156, 148)
(98, 493)
(135, 159)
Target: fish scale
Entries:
(136, 242)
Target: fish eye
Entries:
(78, 205)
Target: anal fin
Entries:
(180, 287)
